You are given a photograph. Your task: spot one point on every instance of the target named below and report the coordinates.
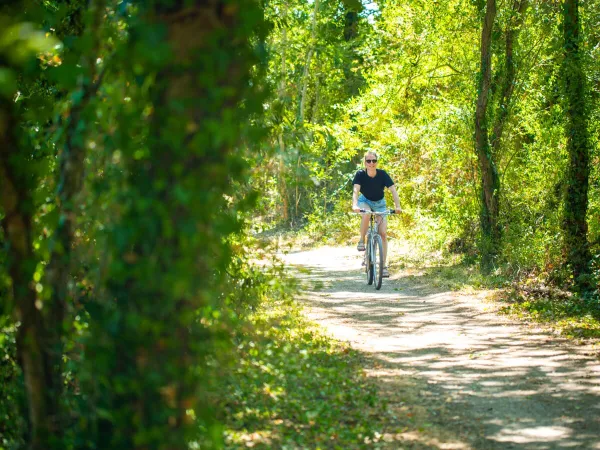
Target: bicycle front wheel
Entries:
(377, 258)
(369, 261)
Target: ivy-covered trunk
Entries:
(16, 186)
(352, 74)
(578, 146)
(69, 183)
(490, 181)
(168, 249)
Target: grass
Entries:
(439, 269)
(530, 299)
(571, 315)
(293, 387)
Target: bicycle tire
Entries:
(378, 261)
(369, 261)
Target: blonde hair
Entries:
(370, 152)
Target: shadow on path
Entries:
(492, 382)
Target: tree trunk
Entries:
(169, 251)
(508, 81)
(17, 204)
(306, 75)
(490, 182)
(281, 172)
(578, 146)
(354, 79)
(283, 191)
(71, 172)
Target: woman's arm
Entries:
(355, 192)
(396, 199)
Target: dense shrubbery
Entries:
(419, 66)
(12, 400)
(127, 135)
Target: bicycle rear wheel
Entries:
(377, 261)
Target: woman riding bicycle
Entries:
(371, 183)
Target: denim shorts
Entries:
(378, 206)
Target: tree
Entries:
(194, 94)
(354, 79)
(578, 145)
(18, 181)
(507, 80)
(490, 181)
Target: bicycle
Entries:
(374, 249)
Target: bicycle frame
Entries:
(374, 248)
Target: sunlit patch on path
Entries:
(488, 381)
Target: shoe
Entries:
(385, 273)
(361, 246)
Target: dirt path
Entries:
(457, 375)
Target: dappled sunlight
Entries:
(517, 384)
(533, 434)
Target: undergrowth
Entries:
(572, 315)
(293, 387)
(12, 401)
(531, 297)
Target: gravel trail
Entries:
(457, 375)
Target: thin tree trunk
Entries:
(298, 194)
(354, 79)
(306, 75)
(17, 204)
(508, 82)
(283, 192)
(578, 146)
(490, 183)
(71, 179)
(282, 185)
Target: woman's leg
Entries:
(364, 226)
(383, 234)
(364, 223)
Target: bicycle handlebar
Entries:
(376, 213)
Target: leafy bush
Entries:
(13, 406)
(292, 387)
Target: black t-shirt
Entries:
(372, 188)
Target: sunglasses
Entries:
(371, 161)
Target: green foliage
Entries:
(13, 409)
(569, 314)
(293, 387)
(167, 244)
(165, 122)
(163, 158)
(419, 62)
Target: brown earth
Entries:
(455, 373)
